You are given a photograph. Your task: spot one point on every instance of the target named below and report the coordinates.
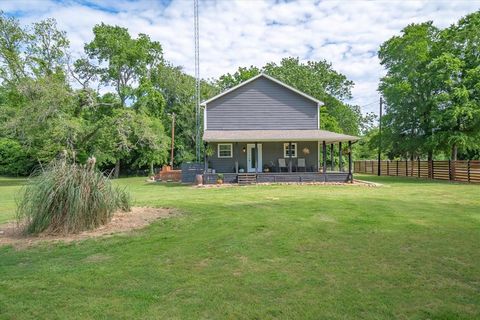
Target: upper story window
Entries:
(287, 151)
(225, 150)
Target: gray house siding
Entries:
(262, 104)
(271, 152)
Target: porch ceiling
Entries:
(275, 135)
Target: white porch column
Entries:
(256, 157)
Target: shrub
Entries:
(68, 198)
(14, 161)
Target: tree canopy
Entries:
(116, 100)
(431, 90)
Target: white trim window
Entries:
(286, 153)
(225, 150)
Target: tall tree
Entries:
(431, 89)
(37, 104)
(119, 60)
(408, 90)
(457, 75)
(128, 65)
(178, 90)
(13, 38)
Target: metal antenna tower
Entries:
(197, 82)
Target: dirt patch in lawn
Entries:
(122, 222)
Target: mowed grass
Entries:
(9, 192)
(407, 250)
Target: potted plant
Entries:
(219, 178)
(209, 151)
(266, 168)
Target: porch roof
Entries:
(275, 135)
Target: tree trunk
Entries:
(454, 152)
(117, 169)
(151, 169)
(430, 155)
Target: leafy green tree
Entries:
(37, 104)
(119, 60)
(12, 40)
(152, 144)
(127, 64)
(178, 90)
(431, 89)
(14, 161)
(457, 76)
(228, 80)
(408, 90)
(367, 147)
(47, 49)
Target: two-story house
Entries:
(266, 131)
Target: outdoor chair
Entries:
(301, 165)
(282, 165)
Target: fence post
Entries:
(468, 170)
(418, 167)
(388, 167)
(406, 168)
(397, 168)
(433, 170)
(449, 169)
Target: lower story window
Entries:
(287, 151)
(225, 150)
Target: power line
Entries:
(368, 104)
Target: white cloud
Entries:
(244, 33)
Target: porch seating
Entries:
(282, 165)
(301, 165)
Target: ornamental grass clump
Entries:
(68, 198)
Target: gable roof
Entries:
(320, 103)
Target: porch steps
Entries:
(247, 178)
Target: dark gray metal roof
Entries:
(275, 135)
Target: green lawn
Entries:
(407, 250)
(9, 188)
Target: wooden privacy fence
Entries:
(460, 170)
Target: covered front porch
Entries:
(278, 177)
(278, 156)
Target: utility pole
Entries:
(380, 137)
(173, 140)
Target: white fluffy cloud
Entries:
(248, 32)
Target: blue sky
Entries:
(250, 32)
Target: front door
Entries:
(252, 161)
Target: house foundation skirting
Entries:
(211, 178)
